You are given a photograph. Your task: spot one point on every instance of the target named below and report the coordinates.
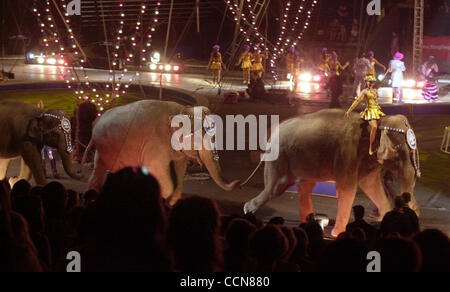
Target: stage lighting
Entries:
(168, 67)
(420, 84)
(51, 61)
(153, 66)
(305, 77)
(41, 60)
(316, 78)
(409, 83)
(61, 62)
(176, 68)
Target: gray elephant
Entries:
(139, 134)
(325, 146)
(25, 129)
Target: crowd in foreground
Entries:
(129, 227)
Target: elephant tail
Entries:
(252, 175)
(86, 151)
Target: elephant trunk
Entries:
(214, 170)
(66, 159)
(408, 184)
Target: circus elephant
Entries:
(324, 146)
(25, 129)
(139, 135)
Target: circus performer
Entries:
(297, 67)
(48, 151)
(373, 62)
(335, 66)
(372, 113)
(246, 64)
(397, 67)
(215, 65)
(429, 70)
(324, 60)
(257, 65)
(290, 63)
(359, 70)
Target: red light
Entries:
(176, 68)
(161, 67)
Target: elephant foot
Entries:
(250, 207)
(336, 231)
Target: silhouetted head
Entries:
(435, 247)
(398, 203)
(398, 255)
(20, 188)
(54, 200)
(268, 244)
(238, 234)
(344, 255)
(276, 220)
(193, 234)
(292, 240)
(406, 197)
(358, 212)
(30, 207)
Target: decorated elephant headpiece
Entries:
(63, 125)
(411, 141)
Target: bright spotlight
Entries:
(41, 60)
(30, 56)
(61, 62)
(161, 67)
(305, 77)
(420, 84)
(409, 83)
(176, 68)
(51, 61)
(316, 78)
(380, 77)
(168, 67)
(153, 67)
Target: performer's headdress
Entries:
(398, 56)
(370, 78)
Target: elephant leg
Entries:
(25, 173)
(276, 182)
(304, 189)
(4, 163)
(373, 187)
(180, 170)
(346, 196)
(31, 157)
(98, 175)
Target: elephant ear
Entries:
(386, 150)
(35, 130)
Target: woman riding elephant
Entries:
(25, 130)
(372, 112)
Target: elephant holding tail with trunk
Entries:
(140, 134)
(325, 146)
(25, 129)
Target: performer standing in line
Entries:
(297, 66)
(246, 64)
(290, 63)
(372, 113)
(360, 68)
(335, 66)
(215, 64)
(431, 88)
(373, 62)
(257, 59)
(324, 60)
(397, 67)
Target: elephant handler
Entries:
(372, 113)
